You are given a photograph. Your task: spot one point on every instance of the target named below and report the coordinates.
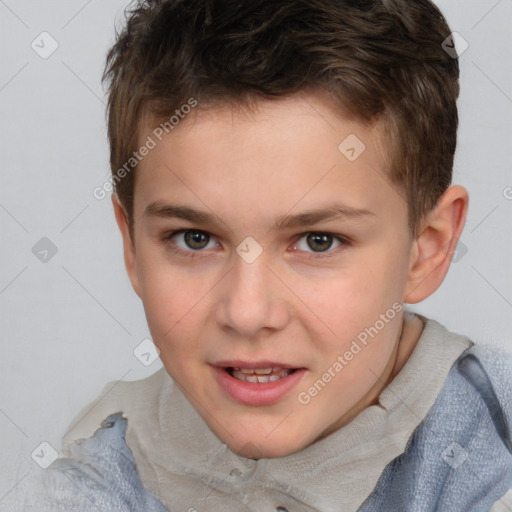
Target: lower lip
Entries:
(257, 393)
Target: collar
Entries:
(353, 457)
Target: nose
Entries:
(252, 300)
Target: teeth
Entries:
(257, 371)
(260, 375)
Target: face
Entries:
(272, 264)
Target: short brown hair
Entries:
(381, 59)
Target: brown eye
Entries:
(189, 241)
(196, 239)
(319, 242)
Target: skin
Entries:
(297, 303)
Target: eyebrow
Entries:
(307, 218)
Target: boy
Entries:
(242, 135)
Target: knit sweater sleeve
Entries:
(100, 476)
(501, 360)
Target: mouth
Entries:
(260, 375)
(257, 384)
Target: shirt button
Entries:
(235, 472)
(281, 509)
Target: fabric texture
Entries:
(436, 441)
(100, 476)
(460, 457)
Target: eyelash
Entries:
(197, 254)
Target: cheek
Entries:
(354, 300)
(170, 298)
(358, 293)
(382, 271)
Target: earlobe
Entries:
(435, 244)
(128, 243)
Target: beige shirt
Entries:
(189, 469)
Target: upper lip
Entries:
(238, 363)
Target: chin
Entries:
(253, 451)
(258, 446)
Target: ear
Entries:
(434, 246)
(128, 244)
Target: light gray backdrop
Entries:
(70, 320)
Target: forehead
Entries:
(278, 153)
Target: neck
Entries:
(412, 327)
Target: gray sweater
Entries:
(438, 440)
